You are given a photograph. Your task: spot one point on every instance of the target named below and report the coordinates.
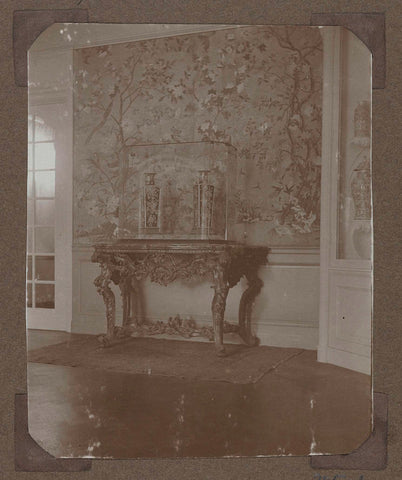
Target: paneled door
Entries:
(345, 327)
(48, 272)
(40, 216)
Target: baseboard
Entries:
(38, 324)
(322, 353)
(345, 359)
(91, 324)
(292, 335)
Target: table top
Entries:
(179, 246)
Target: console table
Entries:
(164, 261)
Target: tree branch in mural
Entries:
(109, 96)
(302, 147)
(291, 119)
(223, 89)
(256, 88)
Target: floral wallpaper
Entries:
(257, 90)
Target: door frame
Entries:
(335, 273)
(55, 108)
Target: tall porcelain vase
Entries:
(361, 194)
(150, 205)
(203, 195)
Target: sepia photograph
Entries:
(199, 270)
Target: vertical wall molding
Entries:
(330, 157)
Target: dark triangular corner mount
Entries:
(28, 25)
(372, 454)
(29, 456)
(369, 28)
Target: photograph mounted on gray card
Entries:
(199, 241)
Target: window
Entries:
(40, 215)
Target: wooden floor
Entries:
(300, 407)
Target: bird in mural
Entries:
(257, 186)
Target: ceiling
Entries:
(67, 36)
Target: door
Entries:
(345, 327)
(49, 217)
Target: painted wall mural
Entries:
(256, 89)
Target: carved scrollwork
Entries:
(225, 266)
(245, 308)
(243, 261)
(102, 284)
(184, 327)
(164, 268)
(221, 287)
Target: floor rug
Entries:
(151, 356)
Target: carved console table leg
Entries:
(136, 302)
(126, 264)
(246, 304)
(125, 290)
(221, 287)
(102, 283)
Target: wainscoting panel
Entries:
(349, 334)
(285, 313)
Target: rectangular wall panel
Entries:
(350, 310)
